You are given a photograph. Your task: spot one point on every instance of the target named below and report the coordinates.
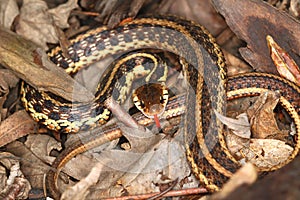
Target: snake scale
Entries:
(204, 69)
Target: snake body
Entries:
(203, 66)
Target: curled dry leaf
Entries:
(41, 145)
(237, 146)
(240, 126)
(284, 63)
(13, 185)
(262, 117)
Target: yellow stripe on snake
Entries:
(203, 67)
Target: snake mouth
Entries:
(156, 109)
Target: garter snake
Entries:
(204, 69)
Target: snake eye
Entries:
(142, 104)
(162, 100)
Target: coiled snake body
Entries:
(204, 69)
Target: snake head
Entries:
(151, 99)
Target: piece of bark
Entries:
(31, 64)
(252, 21)
(282, 184)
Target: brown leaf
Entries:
(264, 153)
(13, 185)
(252, 21)
(8, 11)
(34, 156)
(7, 80)
(267, 153)
(262, 118)
(37, 23)
(285, 65)
(15, 126)
(62, 12)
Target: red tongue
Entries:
(157, 122)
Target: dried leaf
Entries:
(240, 126)
(131, 170)
(261, 115)
(263, 153)
(8, 11)
(267, 153)
(7, 80)
(14, 185)
(155, 166)
(285, 65)
(37, 23)
(62, 12)
(80, 190)
(34, 156)
(15, 126)
(42, 145)
(235, 144)
(252, 21)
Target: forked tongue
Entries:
(157, 122)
